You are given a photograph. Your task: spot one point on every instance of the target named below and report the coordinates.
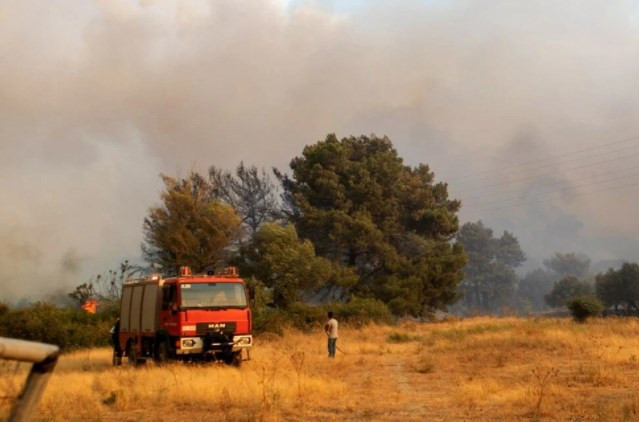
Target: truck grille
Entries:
(203, 328)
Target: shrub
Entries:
(359, 312)
(305, 317)
(67, 328)
(583, 307)
(268, 320)
(298, 315)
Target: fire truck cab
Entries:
(188, 317)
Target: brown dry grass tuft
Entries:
(474, 369)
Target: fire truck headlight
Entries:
(244, 340)
(188, 343)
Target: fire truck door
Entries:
(169, 316)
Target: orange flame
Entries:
(90, 306)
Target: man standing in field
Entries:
(115, 338)
(331, 331)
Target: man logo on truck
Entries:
(187, 317)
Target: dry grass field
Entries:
(473, 369)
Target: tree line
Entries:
(491, 285)
(351, 220)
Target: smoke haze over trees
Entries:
(565, 264)
(105, 95)
(566, 288)
(533, 287)
(489, 277)
(620, 288)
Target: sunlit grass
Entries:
(475, 369)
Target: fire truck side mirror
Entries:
(252, 292)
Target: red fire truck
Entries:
(188, 317)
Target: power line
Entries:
(567, 196)
(611, 188)
(554, 164)
(508, 182)
(545, 185)
(526, 163)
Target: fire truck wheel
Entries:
(117, 358)
(132, 355)
(162, 353)
(234, 359)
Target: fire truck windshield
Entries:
(213, 295)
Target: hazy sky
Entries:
(98, 97)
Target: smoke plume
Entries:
(98, 97)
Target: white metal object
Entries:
(44, 357)
(242, 342)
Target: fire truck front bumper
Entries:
(194, 345)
